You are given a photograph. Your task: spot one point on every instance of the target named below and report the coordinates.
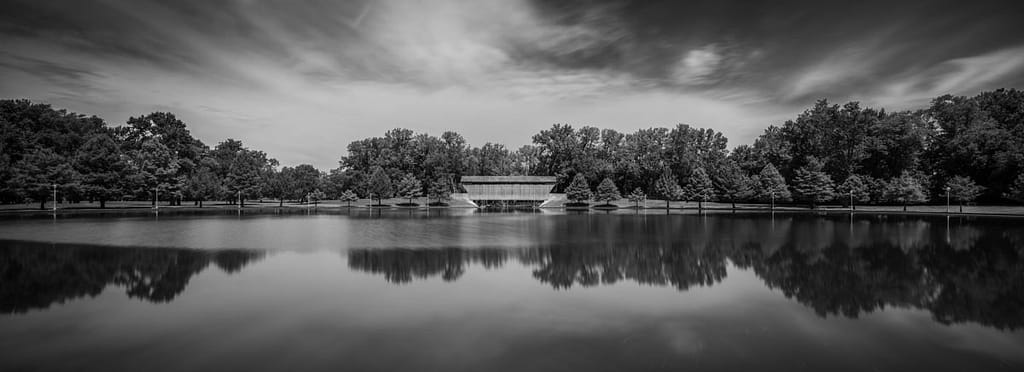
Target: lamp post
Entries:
(851, 201)
(238, 202)
(947, 199)
(773, 200)
(55, 198)
(156, 198)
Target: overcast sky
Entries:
(301, 79)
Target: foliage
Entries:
(667, 188)
(733, 184)
(578, 191)
(637, 197)
(771, 185)
(855, 185)
(813, 185)
(409, 188)
(379, 185)
(440, 190)
(963, 189)
(348, 196)
(607, 191)
(316, 196)
(699, 187)
(100, 164)
(1016, 191)
(906, 189)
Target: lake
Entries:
(471, 291)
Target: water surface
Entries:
(465, 291)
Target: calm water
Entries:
(464, 291)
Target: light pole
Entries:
(947, 199)
(773, 200)
(55, 198)
(156, 198)
(238, 202)
(851, 201)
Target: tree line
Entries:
(965, 147)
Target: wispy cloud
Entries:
(301, 80)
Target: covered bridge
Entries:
(505, 190)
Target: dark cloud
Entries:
(354, 59)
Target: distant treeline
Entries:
(970, 147)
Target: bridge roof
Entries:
(508, 180)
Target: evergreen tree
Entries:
(36, 173)
(906, 189)
(607, 192)
(667, 188)
(854, 185)
(637, 197)
(348, 197)
(963, 189)
(379, 185)
(699, 187)
(578, 191)
(315, 196)
(733, 184)
(813, 185)
(1016, 190)
(100, 164)
(440, 190)
(410, 188)
(771, 186)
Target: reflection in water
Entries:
(835, 268)
(37, 275)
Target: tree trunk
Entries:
(961, 207)
(242, 201)
(280, 202)
(42, 205)
(200, 203)
(734, 206)
(103, 203)
(904, 207)
(666, 204)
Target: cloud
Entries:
(698, 66)
(300, 81)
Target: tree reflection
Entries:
(37, 275)
(835, 266)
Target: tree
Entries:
(667, 188)
(607, 192)
(733, 184)
(315, 196)
(699, 187)
(637, 197)
(348, 197)
(963, 189)
(379, 185)
(202, 185)
(303, 180)
(440, 190)
(813, 185)
(37, 172)
(100, 164)
(281, 185)
(856, 186)
(771, 186)
(1016, 191)
(410, 188)
(906, 189)
(578, 191)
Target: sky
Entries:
(302, 79)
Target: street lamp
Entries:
(55, 198)
(851, 201)
(947, 199)
(773, 200)
(156, 198)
